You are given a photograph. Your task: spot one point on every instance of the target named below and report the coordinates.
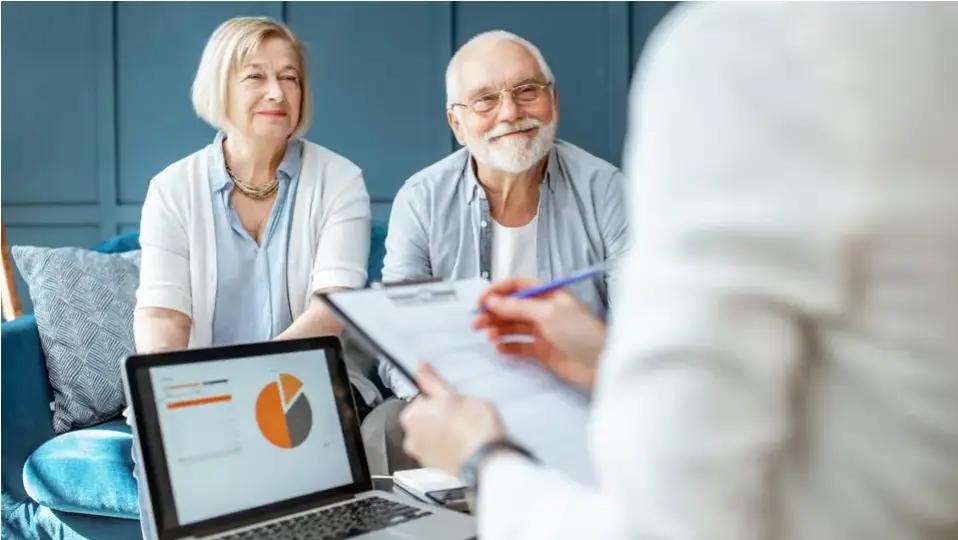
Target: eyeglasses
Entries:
(523, 94)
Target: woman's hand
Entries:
(316, 320)
(444, 428)
(555, 329)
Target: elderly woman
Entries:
(239, 237)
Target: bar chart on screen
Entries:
(208, 407)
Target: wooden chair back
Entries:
(11, 301)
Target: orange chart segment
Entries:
(291, 385)
(199, 401)
(270, 416)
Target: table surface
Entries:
(385, 483)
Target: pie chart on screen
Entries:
(282, 412)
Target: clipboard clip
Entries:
(404, 282)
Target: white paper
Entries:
(432, 322)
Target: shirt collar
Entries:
(475, 189)
(288, 167)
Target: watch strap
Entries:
(469, 472)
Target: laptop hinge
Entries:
(339, 498)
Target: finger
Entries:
(410, 448)
(509, 329)
(516, 348)
(431, 383)
(487, 319)
(483, 320)
(530, 310)
(409, 413)
(507, 287)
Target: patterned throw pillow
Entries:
(83, 302)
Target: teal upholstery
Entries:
(77, 485)
(120, 244)
(98, 462)
(27, 424)
(25, 416)
(29, 520)
(377, 251)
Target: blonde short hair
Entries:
(227, 49)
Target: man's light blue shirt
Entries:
(252, 299)
(440, 226)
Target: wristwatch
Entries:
(469, 473)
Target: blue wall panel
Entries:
(50, 109)
(96, 96)
(378, 71)
(158, 47)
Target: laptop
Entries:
(262, 441)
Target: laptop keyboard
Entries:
(344, 521)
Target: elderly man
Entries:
(514, 202)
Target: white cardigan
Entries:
(328, 243)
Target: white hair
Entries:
(452, 80)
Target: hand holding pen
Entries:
(533, 288)
(545, 323)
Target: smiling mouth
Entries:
(520, 132)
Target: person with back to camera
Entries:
(783, 358)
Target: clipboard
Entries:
(539, 411)
(367, 342)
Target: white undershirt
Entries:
(514, 250)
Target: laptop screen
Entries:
(246, 432)
(242, 429)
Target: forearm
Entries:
(317, 320)
(160, 329)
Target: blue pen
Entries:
(579, 275)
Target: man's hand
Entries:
(444, 428)
(555, 329)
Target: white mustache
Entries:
(506, 129)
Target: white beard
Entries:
(514, 154)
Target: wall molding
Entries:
(106, 118)
(620, 71)
(101, 207)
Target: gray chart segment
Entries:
(299, 419)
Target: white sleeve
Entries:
(519, 500)
(342, 253)
(734, 251)
(165, 258)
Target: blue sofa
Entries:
(78, 484)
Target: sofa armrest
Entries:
(25, 417)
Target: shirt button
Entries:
(483, 224)
(485, 275)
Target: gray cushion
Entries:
(83, 302)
